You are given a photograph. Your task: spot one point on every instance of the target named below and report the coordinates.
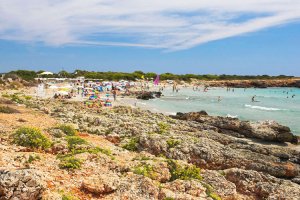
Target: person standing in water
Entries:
(253, 98)
(219, 99)
(174, 87)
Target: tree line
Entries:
(112, 76)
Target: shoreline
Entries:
(130, 103)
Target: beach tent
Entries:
(46, 73)
(66, 86)
(62, 92)
(53, 87)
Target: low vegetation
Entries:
(172, 143)
(74, 141)
(142, 157)
(183, 172)
(67, 195)
(163, 128)
(132, 145)
(210, 192)
(145, 170)
(67, 129)
(96, 150)
(70, 162)
(8, 110)
(30, 75)
(31, 137)
(16, 98)
(33, 158)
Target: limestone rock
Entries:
(21, 184)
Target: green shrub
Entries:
(73, 141)
(6, 95)
(183, 172)
(162, 156)
(56, 132)
(163, 128)
(168, 198)
(27, 97)
(172, 143)
(215, 196)
(16, 98)
(98, 149)
(67, 196)
(8, 110)
(210, 192)
(31, 137)
(70, 163)
(67, 129)
(145, 170)
(142, 157)
(132, 144)
(33, 158)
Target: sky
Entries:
(251, 37)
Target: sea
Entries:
(279, 104)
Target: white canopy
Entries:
(46, 73)
(66, 86)
(53, 87)
(62, 92)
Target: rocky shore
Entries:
(151, 156)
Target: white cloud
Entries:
(171, 25)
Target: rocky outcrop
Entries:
(224, 188)
(234, 166)
(21, 184)
(262, 186)
(145, 95)
(208, 154)
(266, 130)
(183, 189)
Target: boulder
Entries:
(148, 95)
(100, 185)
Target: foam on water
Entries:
(263, 108)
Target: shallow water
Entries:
(272, 104)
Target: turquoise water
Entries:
(273, 104)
